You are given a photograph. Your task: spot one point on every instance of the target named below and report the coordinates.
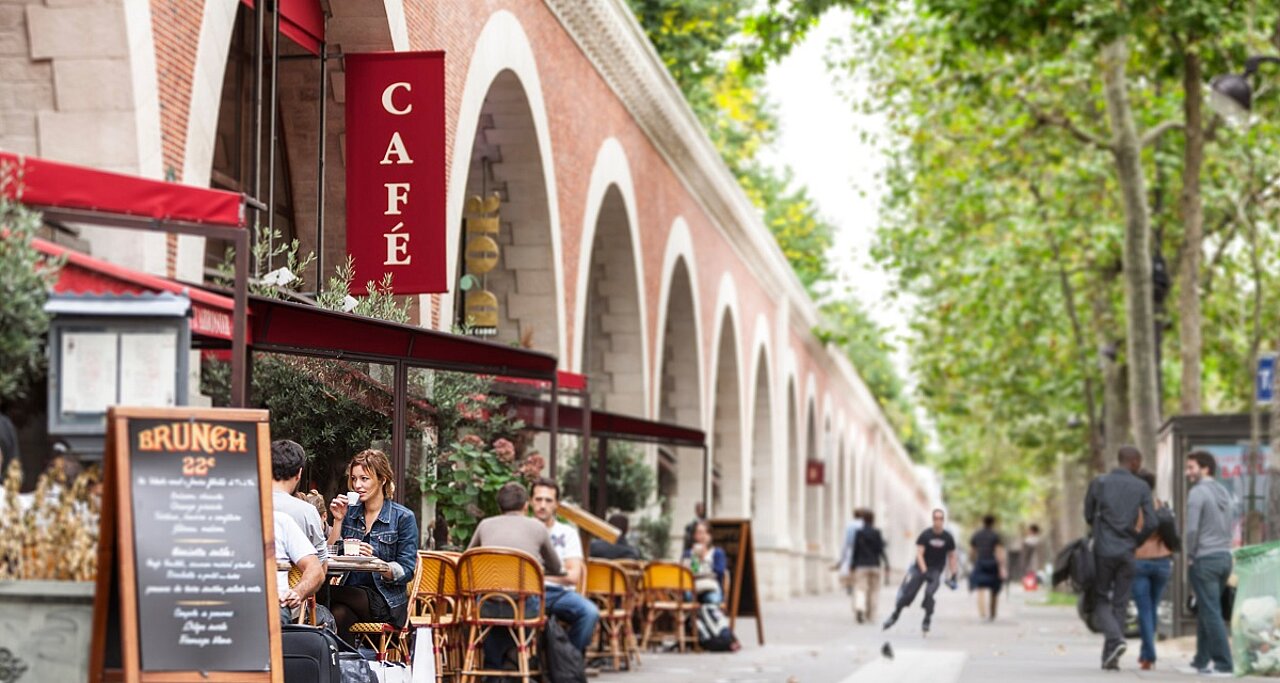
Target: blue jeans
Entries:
(1149, 580)
(578, 614)
(1209, 576)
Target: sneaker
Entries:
(1111, 658)
(888, 623)
(924, 625)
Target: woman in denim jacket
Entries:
(386, 530)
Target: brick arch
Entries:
(503, 110)
(678, 391)
(765, 485)
(506, 158)
(727, 454)
(610, 325)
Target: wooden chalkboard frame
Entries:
(116, 543)
(743, 568)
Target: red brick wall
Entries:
(176, 27)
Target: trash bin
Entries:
(1255, 625)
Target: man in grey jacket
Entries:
(1208, 548)
(1118, 507)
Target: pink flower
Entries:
(505, 450)
(532, 466)
(472, 440)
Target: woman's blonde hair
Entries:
(377, 463)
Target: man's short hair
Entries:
(1128, 454)
(939, 511)
(988, 521)
(287, 457)
(512, 496)
(548, 483)
(621, 522)
(1205, 460)
(868, 518)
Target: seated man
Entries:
(287, 459)
(293, 549)
(621, 550)
(578, 614)
(512, 529)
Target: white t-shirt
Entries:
(568, 544)
(291, 546)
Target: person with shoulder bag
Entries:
(1152, 568)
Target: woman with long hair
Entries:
(385, 529)
(1152, 567)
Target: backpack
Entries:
(1082, 565)
(562, 662)
(713, 629)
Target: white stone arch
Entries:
(725, 405)
(793, 436)
(502, 46)
(611, 172)
(679, 379)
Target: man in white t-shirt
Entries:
(563, 601)
(293, 548)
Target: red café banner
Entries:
(395, 170)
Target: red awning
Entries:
(566, 380)
(302, 21)
(84, 274)
(288, 327)
(54, 185)
(605, 425)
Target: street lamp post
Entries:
(1231, 95)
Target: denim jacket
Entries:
(394, 537)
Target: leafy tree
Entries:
(629, 481)
(26, 276)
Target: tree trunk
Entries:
(1192, 207)
(1127, 150)
(1115, 390)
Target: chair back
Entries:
(435, 590)
(485, 574)
(606, 579)
(667, 577)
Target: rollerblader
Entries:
(935, 552)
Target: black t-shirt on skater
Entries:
(936, 547)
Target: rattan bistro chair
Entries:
(610, 589)
(308, 614)
(496, 585)
(390, 641)
(436, 603)
(668, 589)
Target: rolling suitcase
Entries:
(310, 655)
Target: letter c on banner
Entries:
(390, 106)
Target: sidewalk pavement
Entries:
(815, 639)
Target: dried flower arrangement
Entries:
(54, 534)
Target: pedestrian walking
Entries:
(868, 557)
(1030, 561)
(1118, 507)
(1208, 541)
(935, 552)
(844, 566)
(1152, 567)
(990, 568)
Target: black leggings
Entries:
(355, 604)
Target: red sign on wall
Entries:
(395, 170)
(815, 473)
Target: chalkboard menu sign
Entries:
(733, 536)
(186, 511)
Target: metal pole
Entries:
(271, 158)
(259, 17)
(324, 111)
(555, 426)
(239, 324)
(585, 486)
(706, 481)
(399, 423)
(602, 492)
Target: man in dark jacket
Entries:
(604, 550)
(1118, 507)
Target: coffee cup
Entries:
(350, 546)
(352, 498)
